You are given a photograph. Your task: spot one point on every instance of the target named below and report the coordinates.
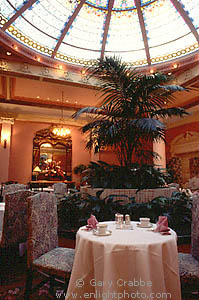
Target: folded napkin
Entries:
(92, 223)
(162, 225)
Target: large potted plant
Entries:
(131, 111)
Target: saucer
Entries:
(108, 232)
(145, 226)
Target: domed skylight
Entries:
(141, 32)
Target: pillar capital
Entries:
(6, 120)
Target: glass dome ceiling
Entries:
(141, 32)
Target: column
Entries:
(5, 148)
(159, 147)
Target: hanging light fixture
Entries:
(59, 130)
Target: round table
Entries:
(128, 264)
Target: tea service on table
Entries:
(122, 223)
(144, 223)
(102, 230)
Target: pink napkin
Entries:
(162, 225)
(92, 223)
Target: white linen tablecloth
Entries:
(129, 264)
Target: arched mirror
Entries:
(52, 156)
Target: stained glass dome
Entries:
(141, 32)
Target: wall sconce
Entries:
(5, 131)
(5, 139)
(5, 143)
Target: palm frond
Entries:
(169, 112)
(148, 124)
(173, 88)
(131, 104)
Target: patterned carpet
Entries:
(12, 285)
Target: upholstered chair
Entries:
(60, 189)
(189, 263)
(9, 188)
(44, 255)
(14, 229)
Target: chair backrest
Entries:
(195, 228)
(42, 225)
(9, 188)
(60, 188)
(15, 230)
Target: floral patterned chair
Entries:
(44, 255)
(60, 189)
(9, 188)
(14, 230)
(189, 263)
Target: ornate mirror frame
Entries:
(47, 136)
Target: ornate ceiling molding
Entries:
(43, 72)
(6, 120)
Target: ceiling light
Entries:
(83, 72)
(8, 53)
(61, 131)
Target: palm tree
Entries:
(130, 111)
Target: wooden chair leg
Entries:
(66, 284)
(28, 288)
(52, 283)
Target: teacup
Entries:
(102, 228)
(144, 221)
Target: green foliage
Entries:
(79, 169)
(130, 112)
(135, 176)
(75, 209)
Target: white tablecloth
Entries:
(2, 209)
(129, 264)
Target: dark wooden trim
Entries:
(106, 27)
(18, 13)
(143, 30)
(67, 27)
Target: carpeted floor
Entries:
(13, 279)
(13, 275)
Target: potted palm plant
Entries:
(132, 107)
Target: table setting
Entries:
(123, 222)
(124, 250)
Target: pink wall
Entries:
(20, 167)
(5, 132)
(29, 88)
(79, 154)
